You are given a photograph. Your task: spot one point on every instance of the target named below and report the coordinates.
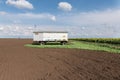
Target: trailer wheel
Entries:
(63, 43)
(42, 43)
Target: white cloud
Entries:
(91, 18)
(53, 18)
(38, 16)
(65, 6)
(15, 30)
(93, 24)
(17, 21)
(21, 18)
(20, 4)
(87, 24)
(2, 13)
(1, 28)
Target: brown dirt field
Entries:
(23, 63)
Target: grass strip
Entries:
(80, 45)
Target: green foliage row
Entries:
(99, 40)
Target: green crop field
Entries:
(99, 40)
(109, 45)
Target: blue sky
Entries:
(42, 6)
(81, 18)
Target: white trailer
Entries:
(43, 37)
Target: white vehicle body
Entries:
(50, 36)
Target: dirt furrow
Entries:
(18, 62)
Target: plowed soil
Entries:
(18, 62)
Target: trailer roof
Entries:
(50, 32)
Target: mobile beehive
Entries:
(43, 37)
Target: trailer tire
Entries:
(42, 43)
(63, 43)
